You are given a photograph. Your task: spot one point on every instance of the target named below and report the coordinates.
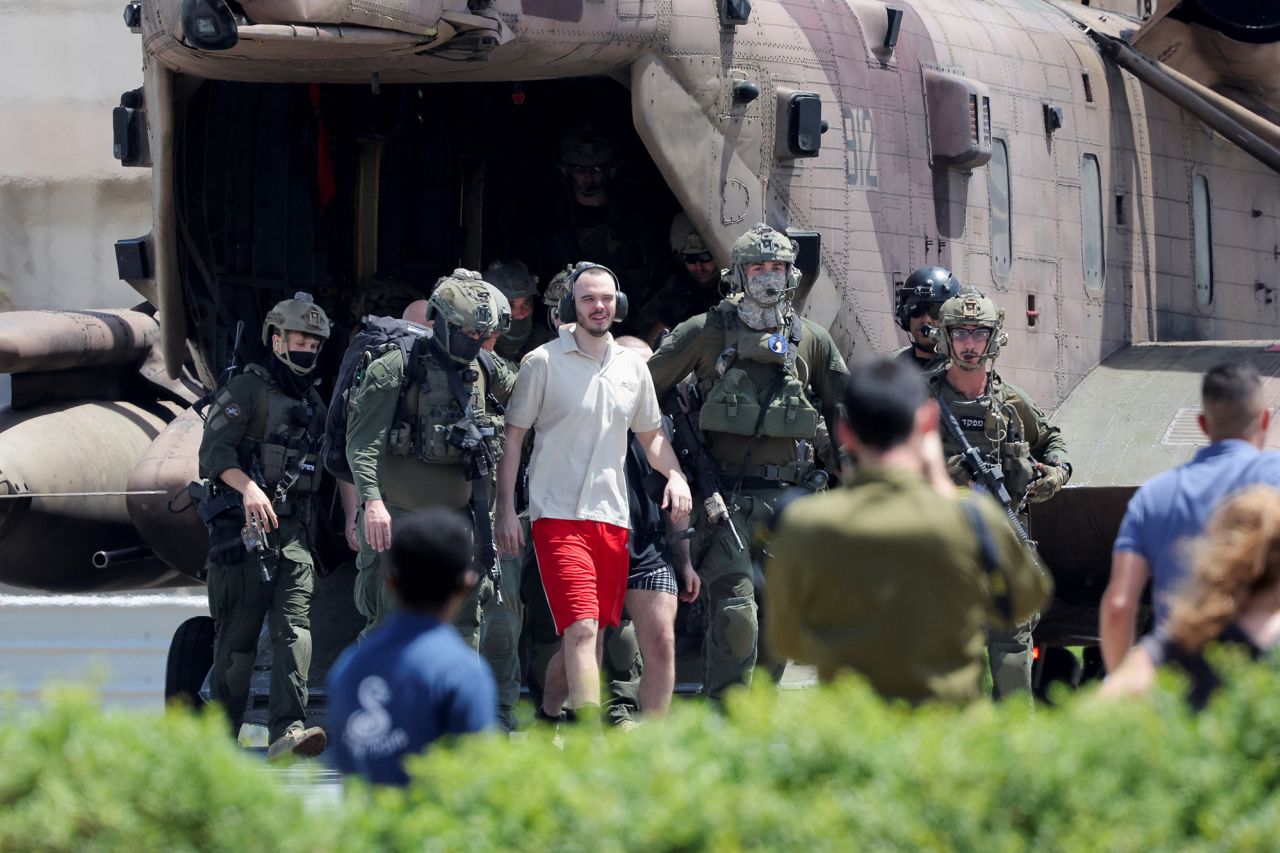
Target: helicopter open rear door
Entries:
(1133, 416)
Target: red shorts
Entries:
(583, 565)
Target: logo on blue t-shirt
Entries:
(368, 733)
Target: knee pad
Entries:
(736, 624)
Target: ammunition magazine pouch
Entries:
(733, 405)
(279, 460)
(1018, 468)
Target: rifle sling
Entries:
(991, 564)
(485, 546)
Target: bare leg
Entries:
(580, 652)
(654, 615)
(555, 687)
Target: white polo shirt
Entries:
(581, 409)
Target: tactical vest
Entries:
(993, 426)
(277, 435)
(733, 403)
(431, 424)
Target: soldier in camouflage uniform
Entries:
(916, 307)
(521, 289)
(598, 225)
(1008, 429)
(404, 448)
(766, 375)
(688, 293)
(261, 442)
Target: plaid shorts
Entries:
(657, 576)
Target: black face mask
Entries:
(304, 359)
(463, 348)
(291, 383)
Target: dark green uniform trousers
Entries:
(500, 632)
(1010, 654)
(239, 600)
(728, 588)
(374, 600)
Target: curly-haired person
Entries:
(1232, 597)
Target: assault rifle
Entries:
(255, 535)
(227, 373)
(989, 476)
(681, 405)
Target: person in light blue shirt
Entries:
(1173, 507)
(412, 680)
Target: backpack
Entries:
(379, 336)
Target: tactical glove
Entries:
(957, 470)
(1049, 481)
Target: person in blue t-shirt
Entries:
(1172, 508)
(413, 680)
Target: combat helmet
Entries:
(685, 239)
(557, 289)
(927, 285)
(463, 301)
(760, 244)
(299, 314)
(971, 308)
(512, 278)
(584, 146)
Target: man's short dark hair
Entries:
(430, 552)
(881, 399)
(1230, 394)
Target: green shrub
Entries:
(838, 769)
(814, 770)
(75, 778)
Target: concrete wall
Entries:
(63, 199)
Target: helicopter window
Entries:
(1202, 234)
(1091, 210)
(998, 192)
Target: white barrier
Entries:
(118, 643)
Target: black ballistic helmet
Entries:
(928, 284)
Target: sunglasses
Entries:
(699, 258)
(922, 308)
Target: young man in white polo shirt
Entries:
(582, 392)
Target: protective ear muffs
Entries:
(569, 313)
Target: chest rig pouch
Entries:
(776, 406)
(434, 428)
(994, 426)
(286, 442)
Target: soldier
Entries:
(597, 224)
(1008, 429)
(424, 433)
(916, 307)
(688, 293)
(759, 366)
(854, 571)
(521, 289)
(260, 443)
